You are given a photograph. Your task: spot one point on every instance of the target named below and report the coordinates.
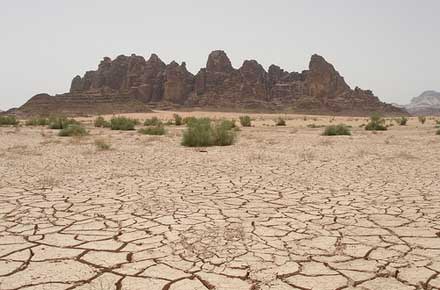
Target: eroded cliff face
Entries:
(151, 83)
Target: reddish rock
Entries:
(178, 83)
(254, 83)
(323, 80)
(218, 61)
(132, 81)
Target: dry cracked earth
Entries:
(284, 208)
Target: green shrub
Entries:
(154, 130)
(245, 121)
(229, 124)
(402, 121)
(73, 130)
(223, 133)
(102, 144)
(202, 133)
(178, 121)
(377, 123)
(60, 123)
(280, 122)
(438, 132)
(100, 122)
(335, 130)
(187, 120)
(8, 120)
(122, 123)
(153, 122)
(422, 119)
(37, 122)
(198, 134)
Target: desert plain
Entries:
(282, 208)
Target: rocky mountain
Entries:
(428, 103)
(134, 84)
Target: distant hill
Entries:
(428, 103)
(134, 84)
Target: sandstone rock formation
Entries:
(428, 103)
(131, 83)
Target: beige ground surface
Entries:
(284, 208)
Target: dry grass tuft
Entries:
(306, 155)
(102, 144)
(47, 182)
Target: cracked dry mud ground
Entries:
(284, 208)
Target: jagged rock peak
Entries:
(218, 61)
(324, 79)
(252, 64)
(318, 63)
(252, 70)
(131, 78)
(173, 64)
(154, 58)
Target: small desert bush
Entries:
(154, 121)
(37, 122)
(280, 122)
(102, 144)
(438, 132)
(122, 123)
(245, 121)
(229, 124)
(203, 132)
(153, 130)
(60, 123)
(188, 120)
(198, 134)
(73, 130)
(377, 123)
(224, 134)
(335, 130)
(402, 121)
(178, 121)
(422, 119)
(8, 121)
(100, 122)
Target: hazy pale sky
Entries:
(389, 46)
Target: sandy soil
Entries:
(284, 208)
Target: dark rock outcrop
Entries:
(178, 83)
(131, 83)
